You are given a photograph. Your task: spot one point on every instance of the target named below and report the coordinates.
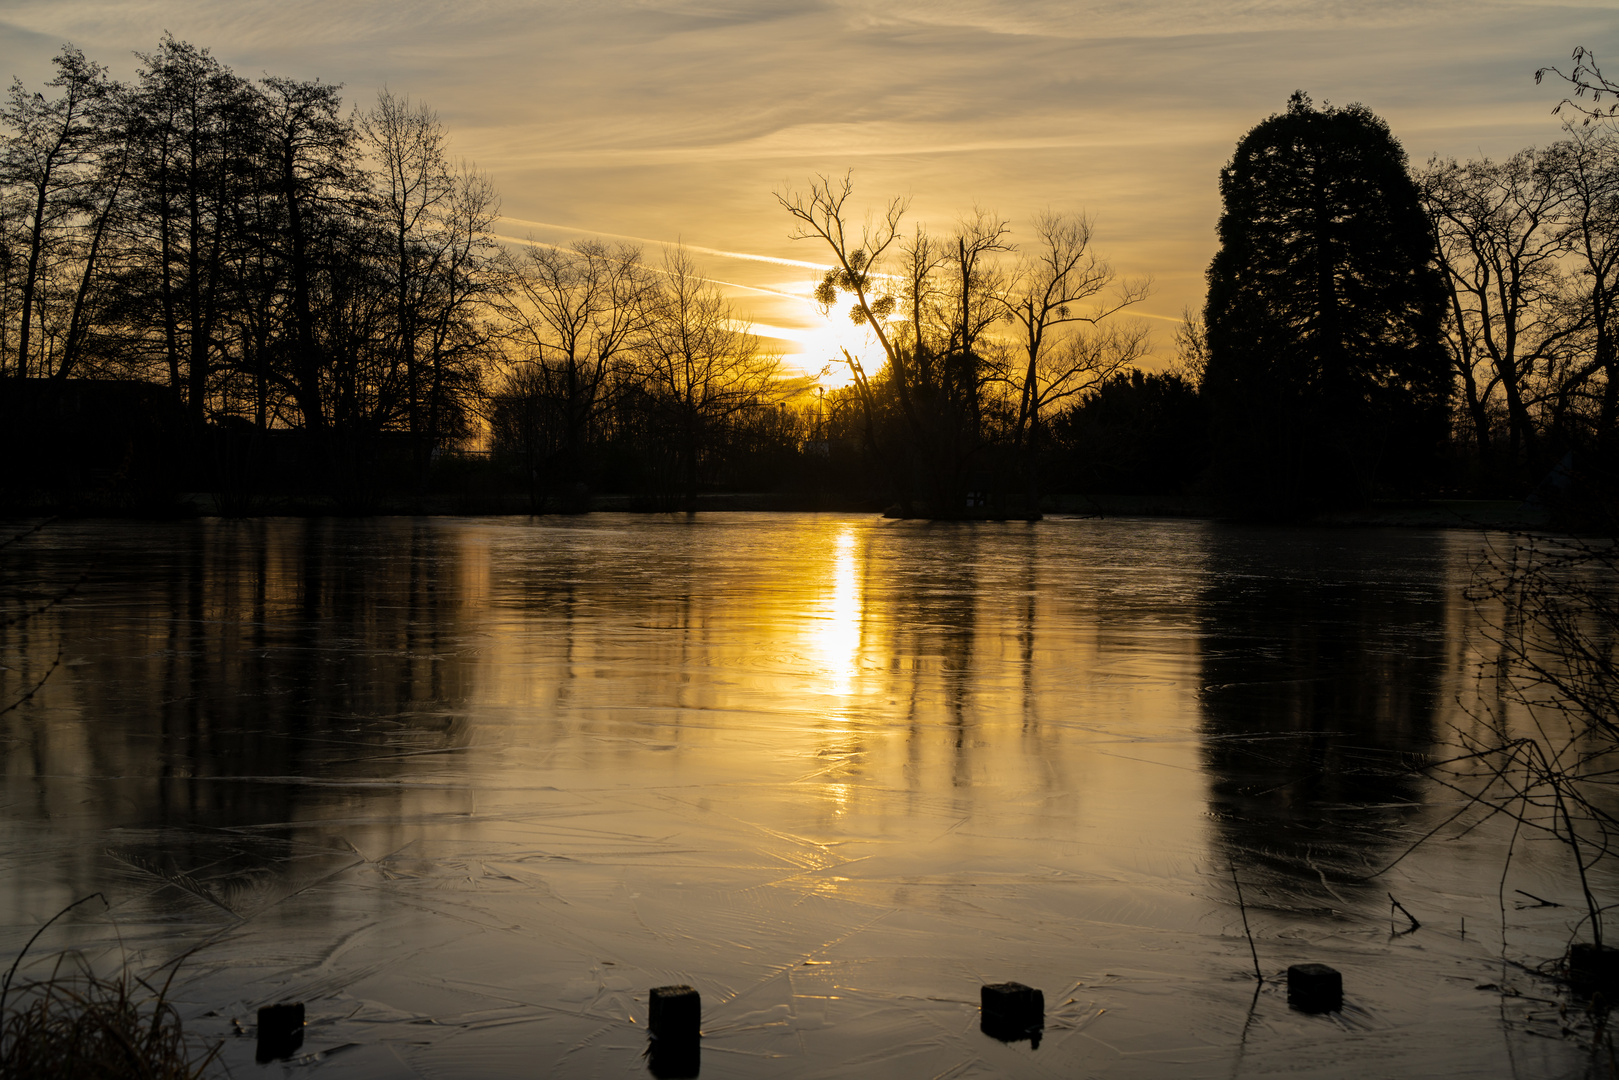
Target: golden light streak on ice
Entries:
(836, 626)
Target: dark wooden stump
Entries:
(1593, 969)
(281, 1030)
(1315, 988)
(1010, 1012)
(674, 1019)
(675, 1012)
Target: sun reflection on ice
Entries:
(839, 796)
(835, 632)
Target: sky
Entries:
(675, 122)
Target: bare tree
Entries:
(1587, 168)
(1085, 359)
(48, 163)
(308, 148)
(820, 214)
(1062, 281)
(414, 188)
(1495, 225)
(947, 292)
(571, 314)
(101, 210)
(927, 314)
(464, 284)
(1589, 84)
(976, 279)
(1191, 348)
(699, 363)
(959, 360)
(196, 133)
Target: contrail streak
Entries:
(803, 296)
(750, 257)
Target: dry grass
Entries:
(78, 1025)
(81, 1026)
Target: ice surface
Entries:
(470, 788)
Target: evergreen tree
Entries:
(1325, 375)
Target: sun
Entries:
(816, 347)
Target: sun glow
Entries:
(816, 346)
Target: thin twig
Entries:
(1401, 907)
(1243, 908)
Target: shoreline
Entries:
(1477, 514)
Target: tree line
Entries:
(281, 265)
(1373, 329)
(1529, 252)
(316, 299)
(244, 242)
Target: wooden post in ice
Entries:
(1315, 988)
(674, 1019)
(675, 1012)
(1593, 968)
(1010, 1011)
(281, 1030)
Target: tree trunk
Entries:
(306, 363)
(36, 244)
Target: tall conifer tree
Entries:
(1325, 372)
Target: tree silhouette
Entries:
(1588, 165)
(1064, 281)
(570, 317)
(698, 364)
(415, 190)
(1587, 79)
(48, 165)
(1500, 245)
(1325, 370)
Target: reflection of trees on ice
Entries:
(1321, 671)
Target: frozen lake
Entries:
(469, 787)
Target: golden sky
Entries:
(669, 121)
